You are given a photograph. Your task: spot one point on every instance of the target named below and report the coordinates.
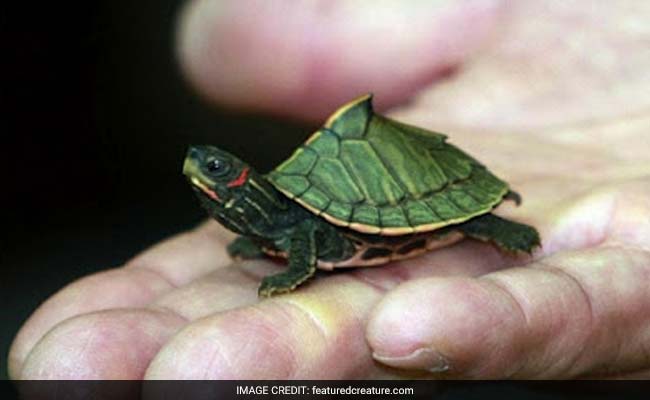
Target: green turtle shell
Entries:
(375, 175)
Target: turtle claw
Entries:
(284, 282)
(271, 287)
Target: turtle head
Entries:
(230, 190)
(214, 172)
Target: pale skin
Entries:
(553, 98)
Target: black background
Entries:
(95, 121)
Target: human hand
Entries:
(553, 102)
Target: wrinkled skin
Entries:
(553, 96)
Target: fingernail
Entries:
(423, 358)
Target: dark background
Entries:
(95, 121)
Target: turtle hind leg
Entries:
(507, 235)
(302, 262)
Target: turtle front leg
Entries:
(508, 235)
(302, 262)
(245, 248)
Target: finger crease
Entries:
(523, 315)
(364, 279)
(583, 291)
(315, 321)
(562, 274)
(504, 289)
(169, 311)
(143, 267)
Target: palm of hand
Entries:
(578, 308)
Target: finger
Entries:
(95, 345)
(167, 265)
(116, 288)
(306, 58)
(575, 313)
(303, 334)
(300, 335)
(112, 344)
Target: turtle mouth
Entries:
(209, 192)
(193, 173)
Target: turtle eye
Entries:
(217, 167)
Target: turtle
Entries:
(363, 190)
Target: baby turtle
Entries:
(363, 190)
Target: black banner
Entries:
(212, 390)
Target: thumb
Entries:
(305, 58)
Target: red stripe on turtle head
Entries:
(240, 180)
